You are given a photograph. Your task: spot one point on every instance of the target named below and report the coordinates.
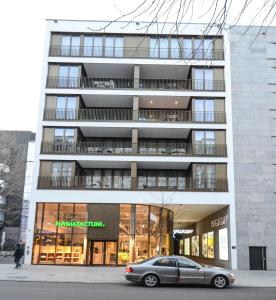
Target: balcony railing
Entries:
(188, 84)
(127, 83)
(91, 83)
(123, 148)
(137, 52)
(89, 114)
(125, 114)
(85, 183)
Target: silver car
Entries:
(177, 270)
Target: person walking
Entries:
(17, 256)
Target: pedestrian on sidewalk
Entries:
(17, 256)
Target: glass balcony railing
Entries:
(137, 52)
(127, 83)
(125, 114)
(85, 183)
(143, 149)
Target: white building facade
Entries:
(134, 141)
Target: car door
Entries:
(190, 272)
(166, 269)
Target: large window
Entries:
(223, 244)
(68, 77)
(66, 107)
(195, 245)
(208, 244)
(70, 45)
(109, 46)
(204, 110)
(205, 176)
(204, 48)
(204, 142)
(187, 246)
(2, 216)
(203, 79)
(59, 245)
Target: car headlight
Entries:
(232, 275)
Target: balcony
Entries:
(85, 183)
(127, 83)
(126, 114)
(136, 52)
(141, 149)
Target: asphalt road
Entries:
(11, 290)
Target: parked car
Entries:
(177, 270)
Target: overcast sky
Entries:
(22, 35)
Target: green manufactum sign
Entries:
(94, 224)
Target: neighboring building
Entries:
(13, 155)
(27, 191)
(253, 62)
(132, 142)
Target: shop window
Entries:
(80, 214)
(195, 245)
(208, 244)
(187, 246)
(223, 244)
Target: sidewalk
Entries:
(111, 275)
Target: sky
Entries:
(22, 34)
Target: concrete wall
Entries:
(253, 62)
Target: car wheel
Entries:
(219, 282)
(150, 280)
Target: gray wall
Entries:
(254, 134)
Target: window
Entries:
(175, 49)
(114, 46)
(66, 108)
(2, 216)
(165, 262)
(204, 110)
(187, 48)
(203, 79)
(159, 47)
(184, 263)
(205, 176)
(62, 169)
(2, 200)
(204, 142)
(98, 46)
(223, 244)
(70, 45)
(208, 244)
(68, 76)
(64, 135)
(195, 245)
(187, 246)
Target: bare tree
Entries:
(180, 13)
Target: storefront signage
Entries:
(219, 221)
(182, 231)
(94, 224)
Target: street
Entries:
(12, 290)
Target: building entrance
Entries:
(103, 252)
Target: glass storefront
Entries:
(61, 235)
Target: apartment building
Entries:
(134, 153)
(13, 164)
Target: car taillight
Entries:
(129, 270)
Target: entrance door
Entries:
(103, 253)
(257, 258)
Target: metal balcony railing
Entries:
(188, 84)
(177, 115)
(86, 183)
(89, 114)
(126, 83)
(123, 148)
(91, 83)
(137, 52)
(126, 114)
(87, 148)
